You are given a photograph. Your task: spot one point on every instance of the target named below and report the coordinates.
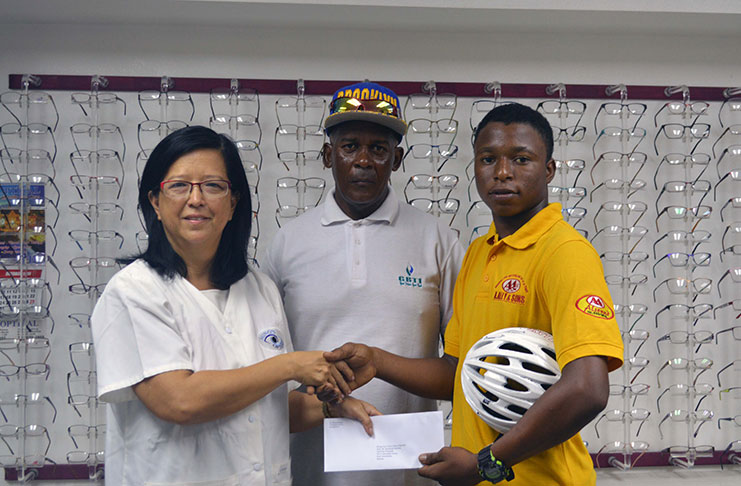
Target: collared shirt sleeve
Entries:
(579, 302)
(135, 336)
(273, 259)
(448, 274)
(453, 329)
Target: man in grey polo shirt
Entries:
(364, 267)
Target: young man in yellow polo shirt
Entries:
(530, 270)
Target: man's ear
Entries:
(327, 155)
(398, 157)
(550, 168)
(154, 200)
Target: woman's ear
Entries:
(154, 200)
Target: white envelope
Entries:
(397, 441)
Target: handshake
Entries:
(347, 368)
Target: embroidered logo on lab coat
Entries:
(271, 338)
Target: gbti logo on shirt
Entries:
(408, 280)
(511, 289)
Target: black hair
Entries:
(230, 262)
(516, 113)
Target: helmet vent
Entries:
(515, 347)
(516, 409)
(488, 395)
(537, 369)
(550, 353)
(514, 385)
(495, 414)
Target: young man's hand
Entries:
(355, 361)
(450, 466)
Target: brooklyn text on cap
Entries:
(368, 102)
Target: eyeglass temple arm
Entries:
(594, 145)
(596, 430)
(653, 269)
(666, 417)
(656, 137)
(721, 332)
(666, 209)
(661, 193)
(657, 288)
(728, 272)
(658, 407)
(717, 141)
(715, 189)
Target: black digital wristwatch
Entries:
(492, 469)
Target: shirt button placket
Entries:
(357, 240)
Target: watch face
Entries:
(491, 470)
(494, 474)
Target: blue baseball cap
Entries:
(368, 102)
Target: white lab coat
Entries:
(144, 325)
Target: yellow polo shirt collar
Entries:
(531, 231)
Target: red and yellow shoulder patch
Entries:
(595, 306)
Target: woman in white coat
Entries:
(193, 352)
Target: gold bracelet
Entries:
(326, 411)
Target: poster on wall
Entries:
(22, 284)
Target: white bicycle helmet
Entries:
(506, 371)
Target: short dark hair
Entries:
(516, 113)
(230, 262)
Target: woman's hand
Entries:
(310, 368)
(355, 409)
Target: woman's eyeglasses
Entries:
(211, 189)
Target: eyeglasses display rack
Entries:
(27, 191)
(618, 123)
(99, 177)
(635, 169)
(565, 117)
(299, 139)
(726, 151)
(235, 111)
(478, 215)
(430, 144)
(680, 200)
